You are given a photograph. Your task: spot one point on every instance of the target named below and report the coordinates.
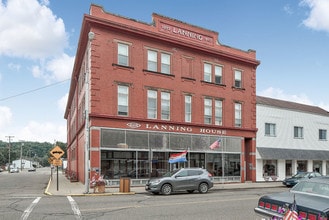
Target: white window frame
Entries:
(123, 54)
(165, 105)
(207, 72)
(298, 132)
(322, 134)
(123, 100)
(270, 129)
(207, 111)
(152, 104)
(238, 78)
(188, 108)
(165, 63)
(152, 60)
(218, 74)
(218, 112)
(237, 114)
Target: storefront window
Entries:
(301, 166)
(269, 168)
(317, 166)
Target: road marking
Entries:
(74, 207)
(28, 211)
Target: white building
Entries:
(24, 164)
(291, 137)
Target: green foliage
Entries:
(30, 151)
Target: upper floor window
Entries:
(209, 69)
(238, 114)
(322, 134)
(165, 63)
(165, 105)
(298, 132)
(218, 74)
(188, 108)
(270, 129)
(123, 54)
(218, 112)
(207, 111)
(123, 100)
(151, 104)
(237, 78)
(152, 62)
(207, 72)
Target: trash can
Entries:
(124, 184)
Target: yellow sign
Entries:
(57, 162)
(57, 152)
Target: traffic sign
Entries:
(57, 152)
(57, 162)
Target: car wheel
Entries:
(190, 191)
(166, 189)
(203, 188)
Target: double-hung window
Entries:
(218, 112)
(165, 63)
(123, 94)
(298, 132)
(165, 105)
(270, 129)
(207, 72)
(218, 74)
(152, 60)
(237, 78)
(151, 104)
(207, 111)
(123, 54)
(322, 134)
(188, 108)
(238, 114)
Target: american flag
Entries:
(292, 213)
(216, 144)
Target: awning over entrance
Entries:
(292, 154)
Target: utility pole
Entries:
(9, 145)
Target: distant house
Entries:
(291, 137)
(24, 164)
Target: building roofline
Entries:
(266, 101)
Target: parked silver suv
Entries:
(185, 179)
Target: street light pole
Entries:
(9, 146)
(22, 156)
(91, 36)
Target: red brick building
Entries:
(147, 90)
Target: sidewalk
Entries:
(65, 187)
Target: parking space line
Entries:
(28, 211)
(74, 207)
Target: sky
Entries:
(39, 38)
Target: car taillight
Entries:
(302, 215)
(261, 204)
(267, 205)
(274, 207)
(209, 174)
(311, 217)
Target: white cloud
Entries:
(287, 9)
(62, 103)
(5, 117)
(277, 93)
(318, 18)
(29, 29)
(45, 131)
(57, 69)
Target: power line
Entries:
(33, 90)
